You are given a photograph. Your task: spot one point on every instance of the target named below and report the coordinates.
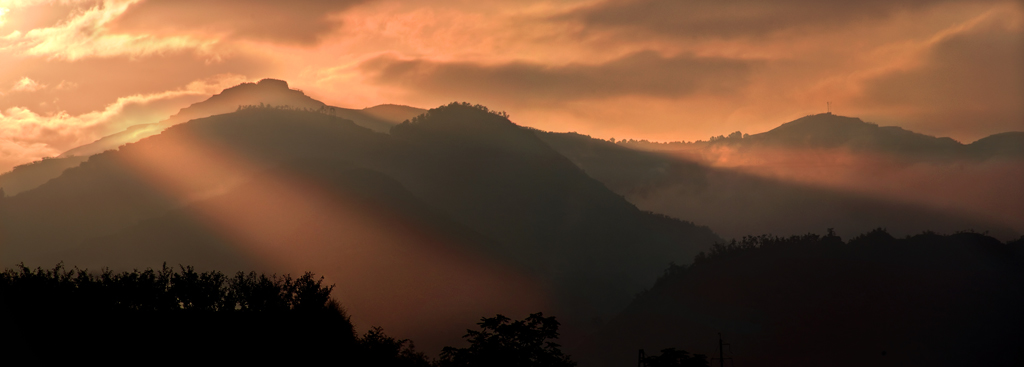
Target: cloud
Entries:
(85, 33)
(639, 74)
(734, 18)
(26, 136)
(970, 83)
(27, 85)
(91, 84)
(300, 21)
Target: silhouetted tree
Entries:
(251, 317)
(378, 349)
(502, 342)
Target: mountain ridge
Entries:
(543, 216)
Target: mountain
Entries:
(1009, 144)
(267, 91)
(271, 92)
(458, 206)
(926, 300)
(833, 132)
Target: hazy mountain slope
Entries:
(393, 112)
(29, 176)
(382, 117)
(876, 301)
(736, 204)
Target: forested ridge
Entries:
(875, 299)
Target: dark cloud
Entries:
(734, 18)
(971, 81)
(643, 73)
(298, 21)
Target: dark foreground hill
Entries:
(926, 300)
(456, 214)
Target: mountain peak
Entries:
(826, 130)
(464, 124)
(273, 83)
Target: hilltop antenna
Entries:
(828, 107)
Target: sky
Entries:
(72, 71)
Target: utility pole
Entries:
(721, 354)
(721, 351)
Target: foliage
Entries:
(752, 243)
(323, 110)
(453, 106)
(502, 342)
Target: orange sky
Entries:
(72, 71)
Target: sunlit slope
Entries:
(395, 261)
(929, 300)
(119, 188)
(530, 208)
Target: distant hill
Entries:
(483, 206)
(833, 131)
(829, 131)
(926, 300)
